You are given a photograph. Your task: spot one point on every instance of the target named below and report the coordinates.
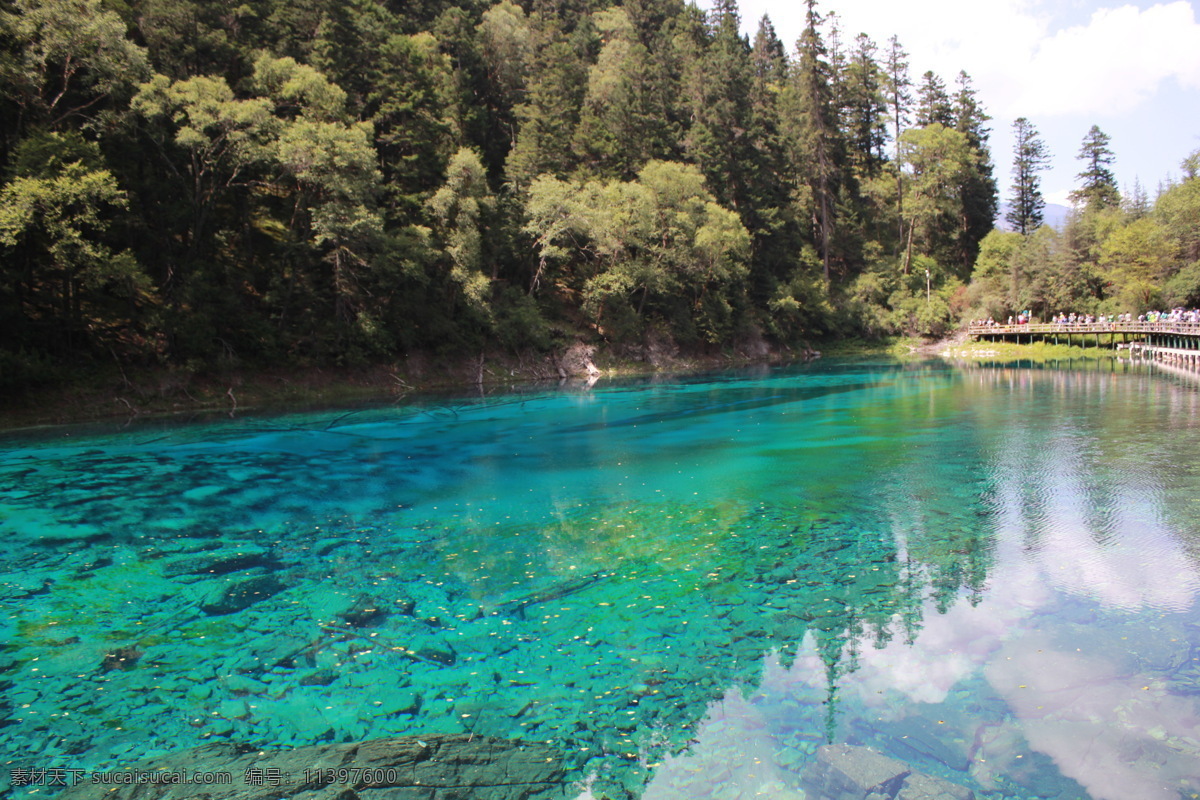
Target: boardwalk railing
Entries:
(1170, 328)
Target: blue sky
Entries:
(1132, 68)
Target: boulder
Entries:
(221, 562)
(577, 360)
(240, 594)
(434, 767)
(846, 772)
(919, 786)
(123, 658)
(849, 772)
(363, 612)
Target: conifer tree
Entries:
(776, 238)
(1099, 188)
(897, 87)
(768, 55)
(865, 107)
(1030, 157)
(720, 96)
(548, 117)
(933, 104)
(979, 188)
(815, 131)
(623, 123)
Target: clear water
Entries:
(685, 586)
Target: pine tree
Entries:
(897, 88)
(1030, 157)
(1136, 203)
(624, 122)
(1099, 184)
(933, 104)
(768, 55)
(776, 236)
(548, 117)
(815, 131)
(865, 108)
(979, 188)
(720, 89)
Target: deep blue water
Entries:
(685, 586)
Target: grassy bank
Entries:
(890, 347)
(1037, 351)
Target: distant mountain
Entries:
(1055, 216)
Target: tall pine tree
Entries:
(815, 132)
(1030, 156)
(979, 188)
(933, 104)
(1099, 188)
(899, 96)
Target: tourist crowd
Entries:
(1174, 316)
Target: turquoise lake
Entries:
(685, 586)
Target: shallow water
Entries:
(686, 587)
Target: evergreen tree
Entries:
(940, 160)
(979, 202)
(720, 90)
(933, 104)
(1099, 188)
(623, 123)
(1136, 202)
(1030, 157)
(770, 217)
(815, 132)
(551, 111)
(899, 97)
(865, 108)
(769, 57)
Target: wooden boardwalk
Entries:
(1178, 340)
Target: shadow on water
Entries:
(683, 589)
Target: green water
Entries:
(686, 587)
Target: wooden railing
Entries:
(1180, 328)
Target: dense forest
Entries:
(308, 182)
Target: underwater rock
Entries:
(434, 651)
(277, 650)
(320, 677)
(846, 772)
(398, 702)
(926, 787)
(849, 772)
(363, 612)
(221, 562)
(123, 658)
(239, 595)
(433, 766)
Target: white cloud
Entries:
(1112, 64)
(1021, 62)
(1064, 64)
(1060, 198)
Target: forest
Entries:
(211, 183)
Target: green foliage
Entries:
(1030, 157)
(69, 57)
(73, 282)
(652, 239)
(1099, 188)
(1183, 288)
(940, 161)
(461, 207)
(319, 181)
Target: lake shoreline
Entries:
(111, 393)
